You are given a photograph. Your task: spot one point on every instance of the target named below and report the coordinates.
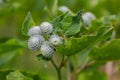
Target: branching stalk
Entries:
(57, 69)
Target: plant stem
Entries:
(58, 69)
(59, 74)
(62, 62)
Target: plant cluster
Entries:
(67, 35)
(42, 38)
(78, 43)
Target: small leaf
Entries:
(27, 24)
(62, 22)
(16, 75)
(74, 29)
(55, 7)
(75, 26)
(66, 22)
(41, 57)
(56, 22)
(110, 51)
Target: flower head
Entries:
(35, 42)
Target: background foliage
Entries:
(14, 54)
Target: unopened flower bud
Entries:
(46, 27)
(87, 18)
(47, 50)
(35, 42)
(34, 31)
(55, 40)
(64, 9)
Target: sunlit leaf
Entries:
(55, 7)
(76, 45)
(75, 26)
(110, 51)
(56, 22)
(68, 23)
(27, 24)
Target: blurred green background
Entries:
(13, 13)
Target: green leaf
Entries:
(5, 72)
(83, 57)
(75, 26)
(66, 22)
(74, 29)
(76, 45)
(110, 51)
(95, 25)
(27, 24)
(55, 7)
(56, 22)
(62, 22)
(41, 57)
(16, 75)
